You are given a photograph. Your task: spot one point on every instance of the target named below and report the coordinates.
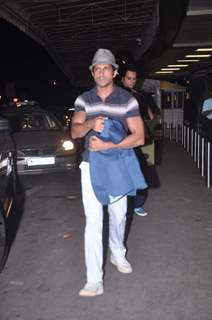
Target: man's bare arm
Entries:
(80, 126)
(134, 139)
(136, 136)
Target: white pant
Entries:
(94, 225)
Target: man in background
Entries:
(207, 117)
(147, 111)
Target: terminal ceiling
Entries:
(151, 33)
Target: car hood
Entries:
(38, 139)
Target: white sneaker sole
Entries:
(119, 268)
(141, 214)
(86, 293)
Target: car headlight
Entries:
(68, 145)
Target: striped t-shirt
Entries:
(119, 105)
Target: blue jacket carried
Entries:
(114, 172)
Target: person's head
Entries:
(103, 67)
(129, 78)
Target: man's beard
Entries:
(104, 83)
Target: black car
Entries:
(43, 144)
(8, 189)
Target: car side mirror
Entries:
(5, 126)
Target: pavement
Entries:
(170, 251)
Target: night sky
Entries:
(27, 64)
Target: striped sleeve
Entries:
(132, 108)
(79, 104)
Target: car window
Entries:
(33, 121)
(52, 122)
(39, 121)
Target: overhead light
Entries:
(177, 65)
(169, 69)
(204, 49)
(188, 60)
(198, 55)
(164, 72)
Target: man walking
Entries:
(92, 109)
(207, 116)
(129, 80)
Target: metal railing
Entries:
(195, 144)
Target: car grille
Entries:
(39, 152)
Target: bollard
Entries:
(203, 157)
(208, 182)
(184, 137)
(170, 132)
(195, 146)
(173, 133)
(192, 142)
(180, 133)
(164, 129)
(188, 139)
(198, 150)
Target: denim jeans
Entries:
(140, 198)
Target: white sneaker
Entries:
(92, 289)
(121, 264)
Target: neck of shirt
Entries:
(104, 93)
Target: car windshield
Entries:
(32, 121)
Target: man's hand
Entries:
(80, 126)
(97, 124)
(96, 144)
